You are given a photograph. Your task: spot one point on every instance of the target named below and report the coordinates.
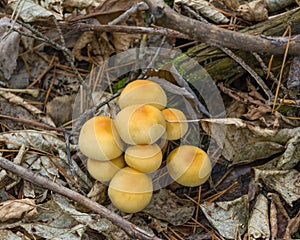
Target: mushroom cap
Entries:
(103, 171)
(143, 92)
(145, 158)
(140, 124)
(130, 190)
(175, 130)
(189, 165)
(99, 140)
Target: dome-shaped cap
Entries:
(99, 140)
(143, 92)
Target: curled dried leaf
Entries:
(17, 209)
(253, 11)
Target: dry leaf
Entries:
(278, 217)
(227, 217)
(60, 109)
(30, 11)
(275, 5)
(12, 210)
(58, 219)
(253, 11)
(245, 142)
(205, 8)
(9, 48)
(81, 4)
(9, 235)
(46, 142)
(98, 192)
(233, 4)
(284, 182)
(167, 206)
(258, 224)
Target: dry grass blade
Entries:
(288, 30)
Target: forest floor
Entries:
(64, 62)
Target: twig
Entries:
(282, 68)
(67, 142)
(89, 112)
(32, 92)
(132, 29)
(215, 36)
(65, 50)
(154, 58)
(31, 122)
(67, 53)
(17, 160)
(194, 14)
(266, 71)
(126, 14)
(258, 79)
(37, 179)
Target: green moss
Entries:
(120, 84)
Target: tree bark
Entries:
(222, 67)
(215, 36)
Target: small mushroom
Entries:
(145, 158)
(99, 140)
(175, 130)
(143, 92)
(189, 165)
(103, 171)
(130, 190)
(140, 124)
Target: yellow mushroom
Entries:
(99, 140)
(140, 124)
(143, 92)
(103, 171)
(145, 158)
(176, 126)
(130, 190)
(189, 165)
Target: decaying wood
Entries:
(213, 35)
(222, 67)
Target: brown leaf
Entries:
(227, 217)
(60, 109)
(284, 182)
(16, 209)
(253, 11)
(9, 48)
(278, 217)
(170, 208)
(258, 224)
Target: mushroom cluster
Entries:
(140, 129)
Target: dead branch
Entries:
(37, 179)
(166, 17)
(131, 29)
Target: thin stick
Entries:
(131, 29)
(282, 68)
(32, 92)
(37, 179)
(31, 122)
(258, 79)
(267, 71)
(130, 11)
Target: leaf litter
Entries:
(268, 144)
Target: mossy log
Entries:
(222, 67)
